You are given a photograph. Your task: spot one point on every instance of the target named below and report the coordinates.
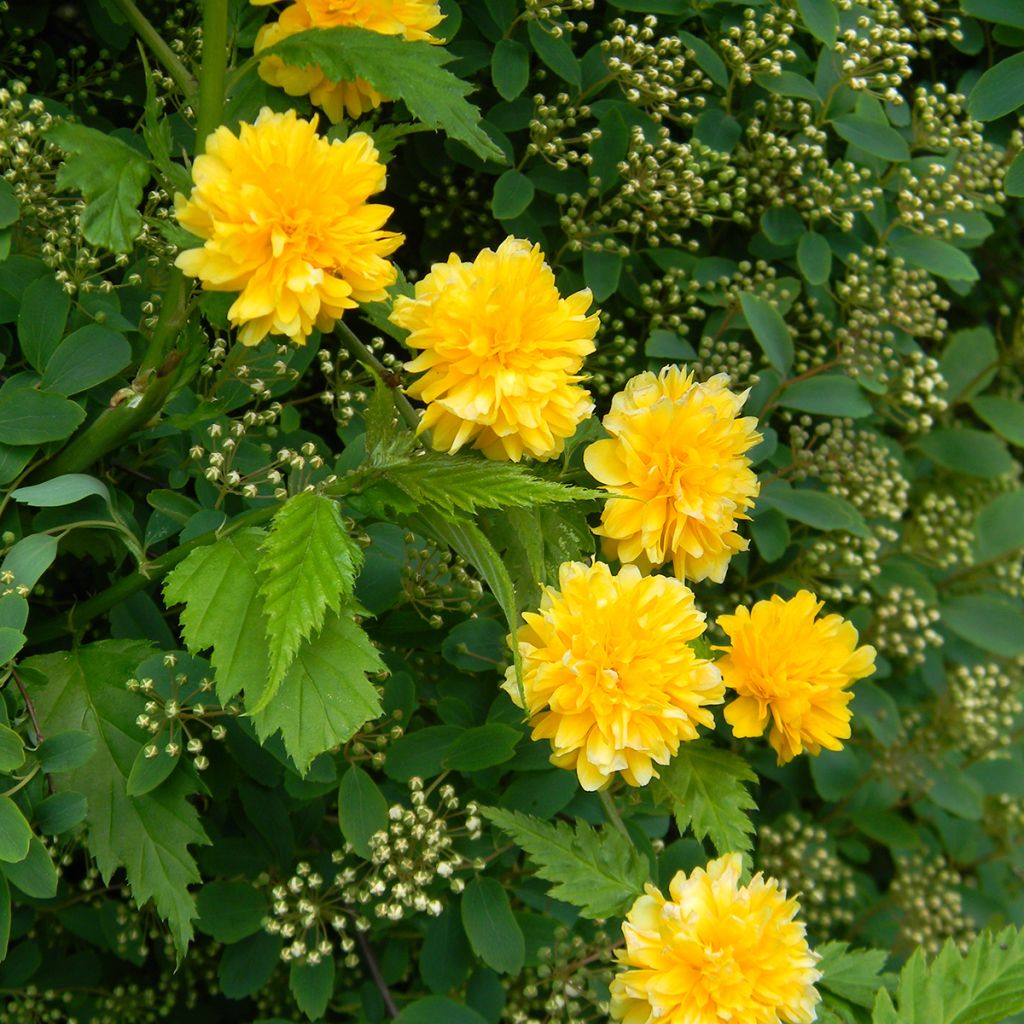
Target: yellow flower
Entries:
(287, 225)
(412, 19)
(715, 952)
(502, 353)
(678, 446)
(785, 663)
(608, 675)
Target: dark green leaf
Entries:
(89, 356)
(1004, 415)
(933, 255)
(814, 257)
(5, 917)
(969, 363)
(41, 319)
(35, 874)
(28, 416)
(1013, 183)
(821, 19)
(999, 91)
(438, 1010)
(230, 911)
(873, 137)
(555, 52)
(967, 451)
(513, 193)
(148, 772)
(110, 175)
(493, 932)
(12, 749)
(10, 211)
(819, 509)
(956, 792)
(15, 834)
(62, 490)
(770, 533)
(362, 810)
(445, 955)
(999, 528)
(247, 966)
(409, 71)
(67, 750)
(831, 394)
(60, 813)
(853, 974)
(420, 753)
(11, 641)
(30, 558)
(1002, 12)
(988, 622)
(510, 68)
(312, 986)
(482, 747)
(770, 331)
(707, 58)
(601, 272)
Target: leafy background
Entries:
(746, 187)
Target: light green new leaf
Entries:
(308, 564)
(110, 175)
(149, 835)
(852, 974)
(597, 870)
(409, 71)
(219, 587)
(706, 788)
(984, 987)
(325, 696)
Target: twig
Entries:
(145, 30)
(378, 979)
(29, 706)
(613, 813)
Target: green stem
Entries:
(81, 615)
(145, 30)
(365, 356)
(211, 73)
(613, 813)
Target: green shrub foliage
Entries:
(255, 761)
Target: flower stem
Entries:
(145, 30)
(211, 73)
(613, 813)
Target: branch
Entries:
(211, 73)
(29, 706)
(378, 979)
(145, 30)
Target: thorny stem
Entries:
(156, 42)
(378, 979)
(613, 813)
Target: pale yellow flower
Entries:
(411, 19)
(716, 952)
(609, 676)
(792, 671)
(676, 457)
(286, 223)
(502, 353)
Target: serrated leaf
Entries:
(150, 835)
(219, 587)
(401, 70)
(325, 696)
(462, 483)
(706, 788)
(308, 564)
(597, 870)
(984, 987)
(853, 974)
(110, 175)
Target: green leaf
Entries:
(707, 58)
(966, 451)
(1013, 183)
(308, 565)
(601, 272)
(325, 695)
(445, 956)
(852, 974)
(831, 394)
(988, 622)
(30, 558)
(513, 193)
(148, 772)
(1002, 12)
(247, 966)
(312, 985)
(770, 533)
(5, 917)
(873, 137)
(15, 833)
(85, 358)
(819, 509)
(12, 749)
(999, 91)
(770, 331)
(10, 211)
(230, 911)
(438, 1009)
(482, 747)
(493, 932)
(62, 490)
(999, 527)
(555, 52)
(11, 641)
(110, 175)
(1004, 415)
(955, 792)
(814, 257)
(409, 71)
(149, 836)
(44, 312)
(969, 363)
(219, 587)
(467, 483)
(30, 416)
(706, 787)
(934, 255)
(35, 874)
(597, 870)
(510, 68)
(984, 987)
(362, 810)
(821, 19)
(66, 751)
(420, 753)
(60, 813)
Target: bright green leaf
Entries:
(852, 974)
